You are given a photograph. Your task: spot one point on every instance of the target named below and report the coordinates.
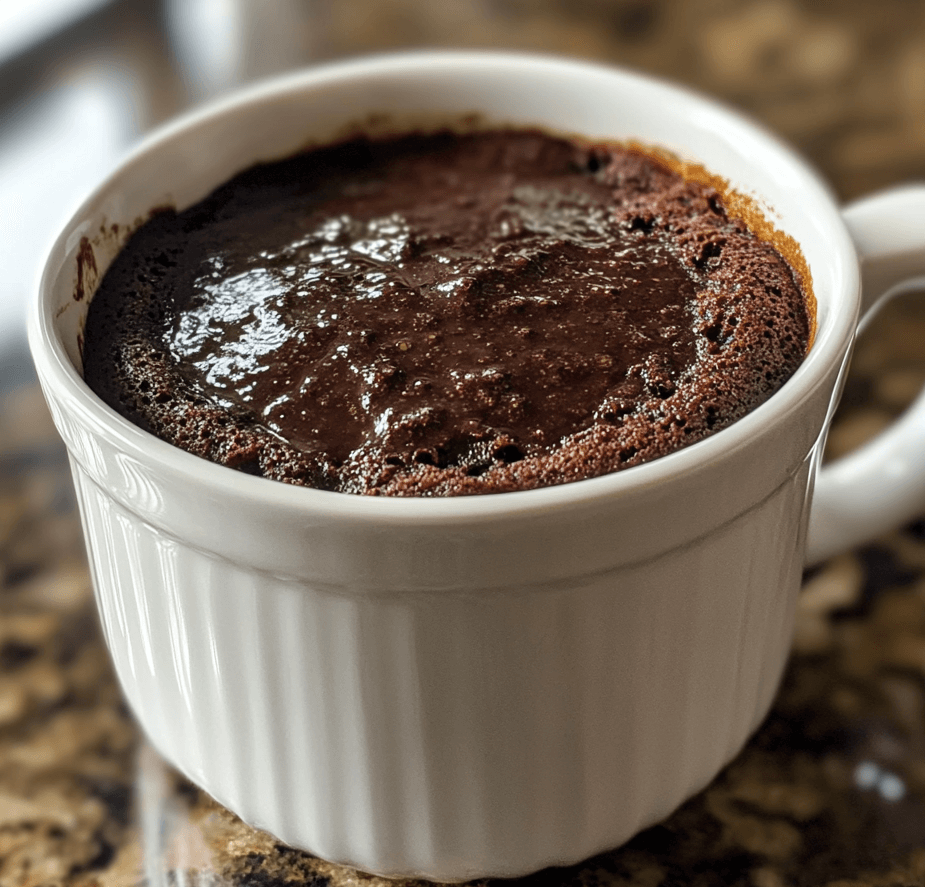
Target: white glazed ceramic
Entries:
(473, 686)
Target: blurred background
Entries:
(81, 80)
(832, 788)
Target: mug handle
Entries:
(881, 485)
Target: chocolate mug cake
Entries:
(470, 686)
(445, 314)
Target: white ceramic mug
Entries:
(483, 685)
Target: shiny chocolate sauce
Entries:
(445, 314)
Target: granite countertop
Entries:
(831, 789)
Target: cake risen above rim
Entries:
(445, 314)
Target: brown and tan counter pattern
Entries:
(830, 791)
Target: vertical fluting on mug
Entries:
(519, 726)
(455, 687)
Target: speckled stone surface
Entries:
(830, 791)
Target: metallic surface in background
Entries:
(74, 92)
(81, 80)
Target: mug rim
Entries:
(57, 371)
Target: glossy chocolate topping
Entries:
(445, 314)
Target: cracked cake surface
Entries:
(445, 314)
